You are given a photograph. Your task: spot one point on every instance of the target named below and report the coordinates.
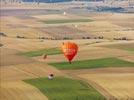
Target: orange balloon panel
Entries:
(70, 50)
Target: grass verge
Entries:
(66, 21)
(61, 88)
(130, 49)
(51, 51)
(95, 63)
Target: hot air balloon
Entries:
(70, 50)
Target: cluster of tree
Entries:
(122, 38)
(86, 37)
(20, 36)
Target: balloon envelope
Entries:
(70, 50)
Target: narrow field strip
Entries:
(95, 63)
(51, 51)
(60, 21)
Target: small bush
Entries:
(20, 36)
(2, 34)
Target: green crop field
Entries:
(66, 21)
(130, 49)
(51, 51)
(95, 63)
(61, 88)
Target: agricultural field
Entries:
(68, 26)
(96, 63)
(102, 69)
(127, 47)
(62, 88)
(8, 56)
(86, 56)
(118, 84)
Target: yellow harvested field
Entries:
(19, 28)
(114, 44)
(124, 20)
(106, 29)
(107, 25)
(36, 44)
(113, 83)
(129, 58)
(26, 71)
(119, 85)
(19, 90)
(25, 44)
(10, 57)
